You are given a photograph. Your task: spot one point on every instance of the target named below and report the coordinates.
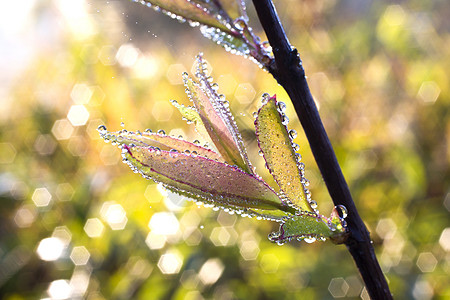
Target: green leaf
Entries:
(201, 178)
(276, 146)
(310, 227)
(157, 140)
(191, 115)
(216, 117)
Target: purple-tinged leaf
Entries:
(281, 160)
(216, 117)
(156, 140)
(203, 179)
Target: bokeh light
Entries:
(170, 262)
(50, 249)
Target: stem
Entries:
(289, 73)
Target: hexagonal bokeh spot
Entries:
(174, 72)
(226, 219)
(211, 271)
(7, 153)
(41, 197)
(62, 129)
(164, 223)
(245, 93)
(44, 144)
(422, 289)
(152, 194)
(269, 263)
(127, 55)
(107, 55)
(223, 236)
(444, 239)
(94, 227)
(429, 92)
(114, 215)
(81, 93)
(77, 146)
(63, 233)
(249, 250)
(170, 262)
(50, 249)
(386, 228)
(60, 289)
(64, 191)
(338, 287)
(80, 255)
(426, 262)
(155, 241)
(78, 115)
(25, 216)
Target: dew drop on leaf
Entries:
(161, 132)
(239, 24)
(265, 98)
(292, 134)
(281, 106)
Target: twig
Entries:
(290, 74)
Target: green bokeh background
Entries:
(378, 71)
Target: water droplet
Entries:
(161, 132)
(281, 106)
(187, 152)
(284, 120)
(295, 146)
(215, 86)
(265, 98)
(266, 46)
(313, 204)
(292, 134)
(194, 153)
(261, 153)
(101, 128)
(122, 124)
(309, 240)
(196, 142)
(148, 130)
(255, 114)
(240, 24)
(342, 210)
(173, 152)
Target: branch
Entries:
(290, 74)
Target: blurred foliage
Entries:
(75, 222)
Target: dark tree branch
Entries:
(289, 73)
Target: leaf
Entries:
(216, 117)
(305, 226)
(157, 140)
(276, 146)
(191, 115)
(206, 13)
(310, 227)
(201, 178)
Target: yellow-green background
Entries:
(378, 71)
